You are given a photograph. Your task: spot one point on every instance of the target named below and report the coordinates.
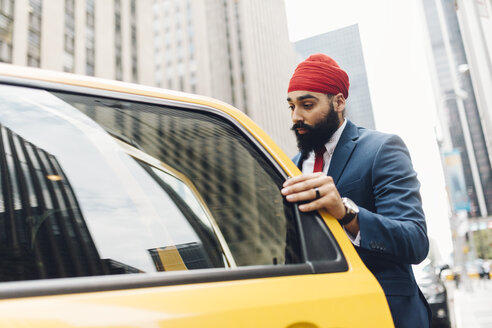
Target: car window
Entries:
(94, 186)
(238, 185)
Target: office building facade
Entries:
(235, 51)
(475, 21)
(463, 128)
(109, 39)
(344, 45)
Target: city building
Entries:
(475, 20)
(109, 39)
(344, 45)
(463, 125)
(235, 51)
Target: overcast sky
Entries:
(395, 49)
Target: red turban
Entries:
(320, 73)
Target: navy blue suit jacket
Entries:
(375, 171)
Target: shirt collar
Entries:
(332, 143)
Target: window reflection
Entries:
(43, 232)
(95, 209)
(154, 188)
(237, 184)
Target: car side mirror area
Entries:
(442, 268)
(322, 249)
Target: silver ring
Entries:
(318, 195)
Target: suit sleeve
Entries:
(397, 228)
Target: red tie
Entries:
(318, 160)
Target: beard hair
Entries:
(317, 135)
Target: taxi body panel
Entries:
(266, 302)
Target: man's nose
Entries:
(297, 115)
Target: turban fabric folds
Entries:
(320, 73)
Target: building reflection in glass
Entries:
(44, 234)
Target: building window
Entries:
(5, 52)
(69, 55)
(118, 40)
(90, 38)
(241, 59)
(6, 29)
(34, 34)
(191, 47)
(193, 82)
(134, 43)
(7, 7)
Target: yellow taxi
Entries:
(130, 206)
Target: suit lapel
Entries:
(343, 151)
(298, 161)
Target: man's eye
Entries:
(308, 105)
(291, 107)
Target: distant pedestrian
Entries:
(479, 264)
(486, 269)
(457, 278)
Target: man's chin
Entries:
(303, 145)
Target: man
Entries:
(364, 179)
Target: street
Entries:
(472, 309)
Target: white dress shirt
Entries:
(308, 165)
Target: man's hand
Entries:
(302, 188)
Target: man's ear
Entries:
(339, 102)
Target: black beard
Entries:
(317, 135)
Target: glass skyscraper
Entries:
(455, 89)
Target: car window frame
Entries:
(117, 282)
